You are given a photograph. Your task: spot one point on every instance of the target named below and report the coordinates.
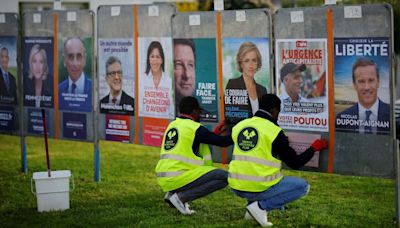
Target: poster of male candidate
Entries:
(156, 98)
(74, 74)
(195, 74)
(38, 72)
(8, 70)
(362, 92)
(246, 70)
(116, 76)
(301, 82)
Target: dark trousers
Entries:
(204, 185)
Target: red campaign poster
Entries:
(117, 128)
(153, 131)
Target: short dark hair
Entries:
(361, 62)
(112, 60)
(187, 42)
(154, 45)
(269, 101)
(188, 105)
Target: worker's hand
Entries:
(319, 144)
(220, 129)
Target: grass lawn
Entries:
(128, 194)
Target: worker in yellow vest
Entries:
(260, 147)
(185, 170)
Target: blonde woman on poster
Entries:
(245, 90)
(156, 97)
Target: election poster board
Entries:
(38, 72)
(8, 63)
(362, 91)
(301, 82)
(155, 72)
(116, 76)
(156, 93)
(74, 74)
(245, 60)
(195, 74)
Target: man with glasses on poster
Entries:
(117, 101)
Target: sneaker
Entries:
(166, 199)
(247, 216)
(178, 204)
(188, 209)
(258, 214)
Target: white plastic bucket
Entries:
(52, 193)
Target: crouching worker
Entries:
(255, 170)
(185, 170)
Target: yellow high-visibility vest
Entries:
(178, 165)
(253, 168)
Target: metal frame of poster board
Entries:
(9, 28)
(239, 26)
(360, 154)
(114, 23)
(153, 25)
(202, 27)
(55, 27)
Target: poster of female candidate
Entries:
(195, 74)
(116, 76)
(246, 70)
(74, 74)
(8, 70)
(301, 82)
(38, 72)
(362, 92)
(155, 82)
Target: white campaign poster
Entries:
(301, 71)
(155, 78)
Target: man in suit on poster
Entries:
(75, 92)
(8, 85)
(374, 113)
(117, 101)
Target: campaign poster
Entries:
(362, 91)
(301, 142)
(35, 121)
(116, 76)
(117, 128)
(7, 119)
(153, 131)
(156, 98)
(38, 72)
(8, 72)
(195, 74)
(302, 85)
(246, 70)
(74, 125)
(75, 74)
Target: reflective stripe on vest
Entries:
(257, 160)
(182, 159)
(255, 178)
(207, 157)
(169, 174)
